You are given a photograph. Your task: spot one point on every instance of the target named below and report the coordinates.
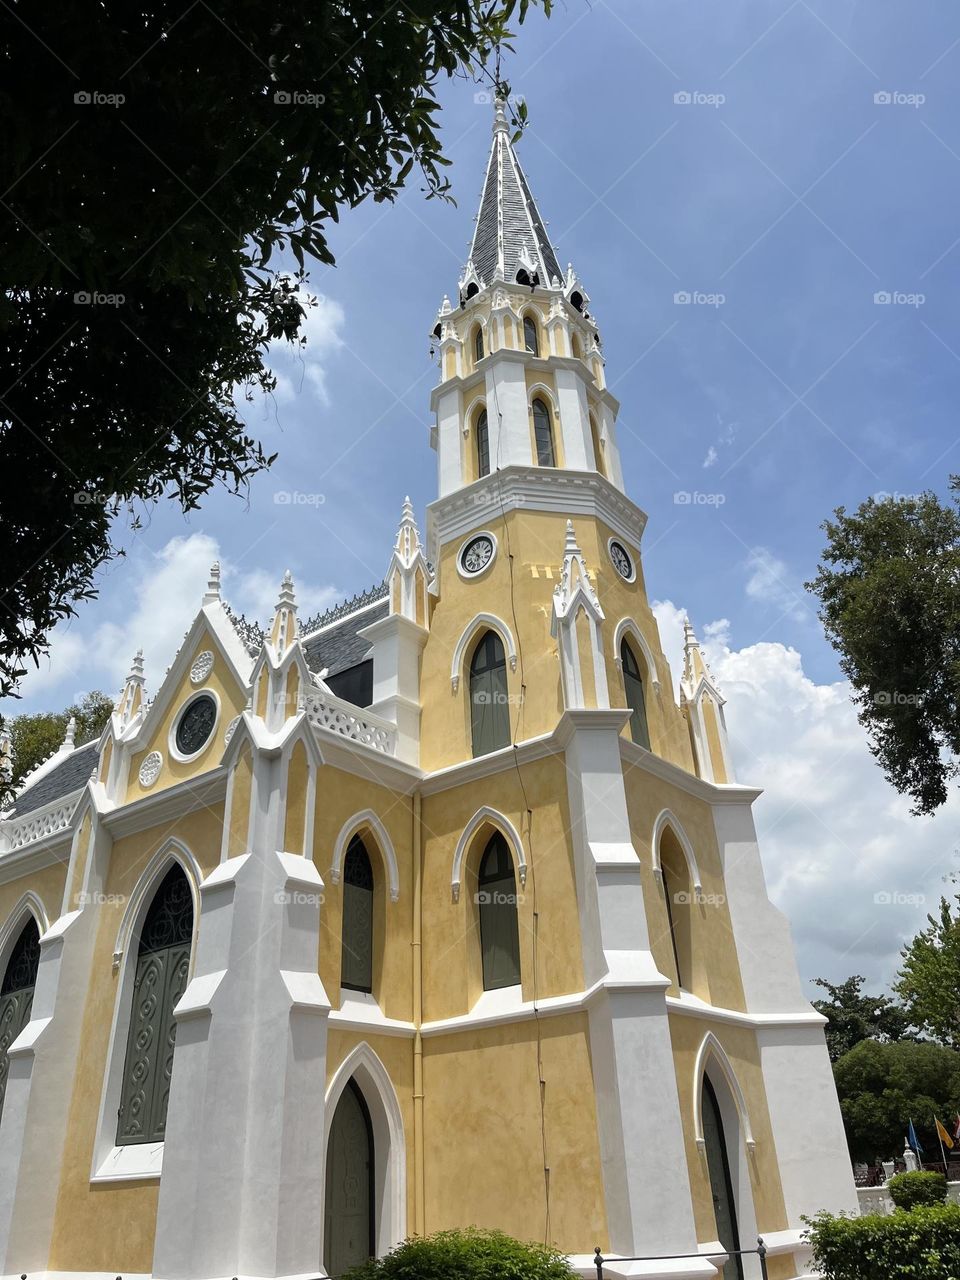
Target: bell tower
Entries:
(521, 364)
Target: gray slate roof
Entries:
(507, 206)
(69, 775)
(339, 647)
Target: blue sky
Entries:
(787, 189)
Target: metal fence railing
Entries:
(760, 1252)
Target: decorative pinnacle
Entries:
(68, 737)
(570, 546)
(500, 123)
(136, 667)
(212, 592)
(287, 599)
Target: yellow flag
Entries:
(944, 1135)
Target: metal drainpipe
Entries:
(418, 1172)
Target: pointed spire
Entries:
(131, 695)
(212, 592)
(702, 704)
(582, 668)
(408, 576)
(284, 629)
(694, 665)
(509, 236)
(71, 733)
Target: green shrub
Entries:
(913, 1244)
(470, 1254)
(910, 1190)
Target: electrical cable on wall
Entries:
(514, 738)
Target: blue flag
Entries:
(914, 1142)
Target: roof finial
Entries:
(212, 592)
(70, 735)
(500, 123)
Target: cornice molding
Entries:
(568, 493)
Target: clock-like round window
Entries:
(196, 725)
(476, 555)
(621, 560)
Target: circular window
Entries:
(476, 555)
(620, 557)
(195, 726)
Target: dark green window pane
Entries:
(633, 688)
(483, 445)
(497, 902)
(356, 955)
(543, 434)
(531, 339)
(489, 708)
(478, 345)
(163, 970)
(721, 1184)
(16, 994)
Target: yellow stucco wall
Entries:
(524, 601)
(47, 884)
(482, 1129)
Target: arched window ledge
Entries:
(482, 622)
(668, 819)
(506, 829)
(712, 1051)
(368, 820)
(627, 627)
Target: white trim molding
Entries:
(367, 818)
(28, 905)
(364, 1067)
(481, 620)
(667, 818)
(711, 1050)
(172, 850)
(506, 829)
(627, 627)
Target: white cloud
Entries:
(164, 598)
(769, 582)
(854, 871)
(712, 457)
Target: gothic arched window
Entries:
(16, 993)
(678, 897)
(497, 901)
(356, 956)
(531, 337)
(543, 435)
(633, 688)
(489, 710)
(478, 344)
(483, 444)
(163, 967)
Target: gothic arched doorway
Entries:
(349, 1226)
(721, 1184)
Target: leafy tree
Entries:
(157, 158)
(35, 737)
(889, 590)
(852, 1016)
(882, 1086)
(929, 977)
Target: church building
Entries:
(434, 910)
